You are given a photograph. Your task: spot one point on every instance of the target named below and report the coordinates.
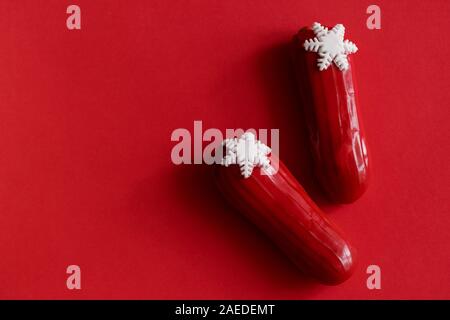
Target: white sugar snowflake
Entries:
(247, 152)
(331, 46)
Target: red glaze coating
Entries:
(281, 208)
(335, 130)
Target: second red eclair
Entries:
(276, 202)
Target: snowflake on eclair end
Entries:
(331, 46)
(247, 152)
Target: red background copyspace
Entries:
(85, 123)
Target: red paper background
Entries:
(85, 124)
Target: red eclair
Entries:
(326, 81)
(276, 202)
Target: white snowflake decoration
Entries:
(247, 152)
(331, 46)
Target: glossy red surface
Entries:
(280, 207)
(335, 132)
